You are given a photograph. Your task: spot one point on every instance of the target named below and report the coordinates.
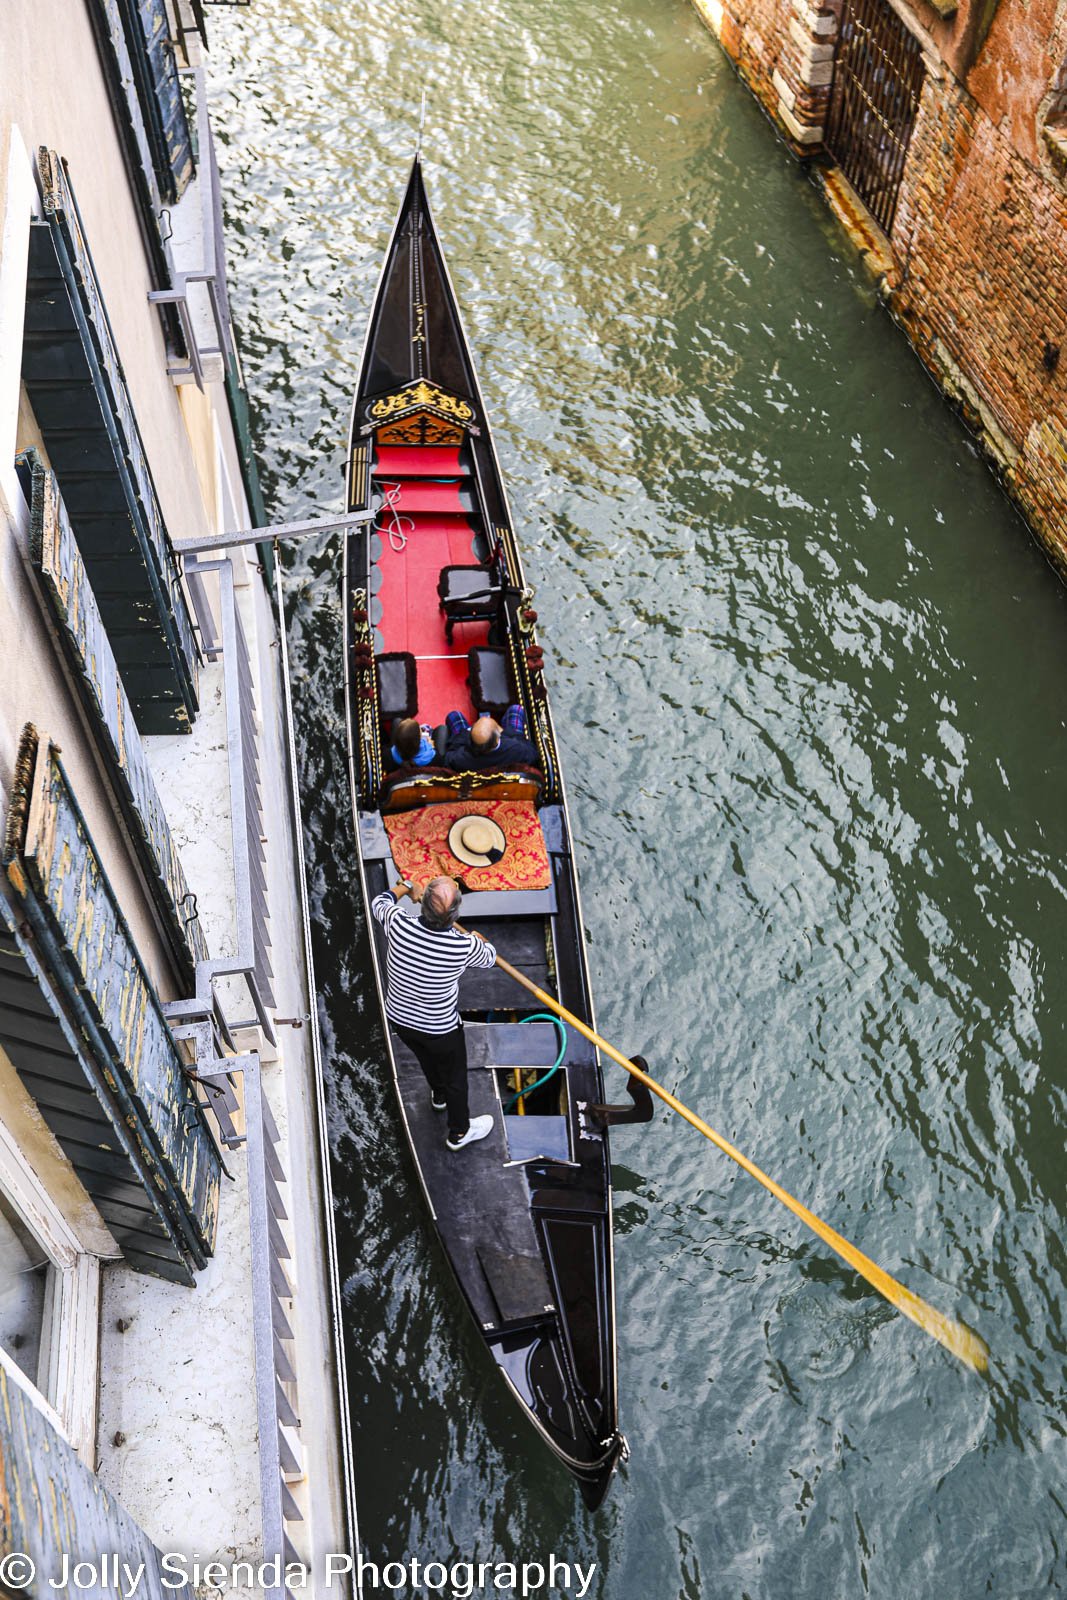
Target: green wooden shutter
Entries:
(134, 1112)
(78, 391)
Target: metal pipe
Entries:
(276, 530)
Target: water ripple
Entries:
(810, 681)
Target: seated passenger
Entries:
(412, 743)
(488, 744)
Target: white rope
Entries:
(400, 524)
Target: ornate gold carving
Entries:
(420, 428)
(421, 396)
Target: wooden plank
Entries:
(508, 903)
(554, 827)
(490, 989)
(374, 841)
(511, 1044)
(481, 1204)
(520, 942)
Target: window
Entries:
(26, 1283)
(49, 1300)
(1053, 119)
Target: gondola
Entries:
(438, 617)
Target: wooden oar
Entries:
(955, 1336)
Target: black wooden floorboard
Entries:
(521, 942)
(481, 1205)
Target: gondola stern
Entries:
(594, 1488)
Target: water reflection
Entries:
(809, 677)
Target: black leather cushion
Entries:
(456, 583)
(489, 676)
(398, 686)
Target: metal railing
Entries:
(249, 1122)
(874, 101)
(211, 273)
(251, 959)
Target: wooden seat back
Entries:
(428, 786)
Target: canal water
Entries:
(811, 683)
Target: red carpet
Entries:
(411, 616)
(426, 486)
(419, 840)
(417, 495)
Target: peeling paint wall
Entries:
(975, 269)
(50, 1504)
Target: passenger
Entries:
(425, 959)
(412, 742)
(488, 744)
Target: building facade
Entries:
(171, 1378)
(939, 131)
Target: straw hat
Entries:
(476, 840)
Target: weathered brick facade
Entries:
(975, 266)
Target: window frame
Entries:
(70, 1334)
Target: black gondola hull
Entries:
(524, 1217)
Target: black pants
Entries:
(443, 1058)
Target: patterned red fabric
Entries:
(419, 840)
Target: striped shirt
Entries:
(423, 967)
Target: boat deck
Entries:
(481, 1203)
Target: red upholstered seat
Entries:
(469, 594)
(408, 496)
(418, 461)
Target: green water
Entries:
(811, 683)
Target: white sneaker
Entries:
(480, 1128)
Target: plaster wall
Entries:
(177, 1434)
(53, 89)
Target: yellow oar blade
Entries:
(954, 1335)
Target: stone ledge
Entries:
(711, 12)
(875, 249)
(802, 132)
(786, 94)
(812, 50)
(814, 21)
(1055, 136)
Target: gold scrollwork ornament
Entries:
(421, 396)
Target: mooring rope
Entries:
(400, 524)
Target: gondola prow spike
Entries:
(422, 120)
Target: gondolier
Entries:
(426, 957)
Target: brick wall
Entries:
(976, 271)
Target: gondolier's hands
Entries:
(403, 887)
